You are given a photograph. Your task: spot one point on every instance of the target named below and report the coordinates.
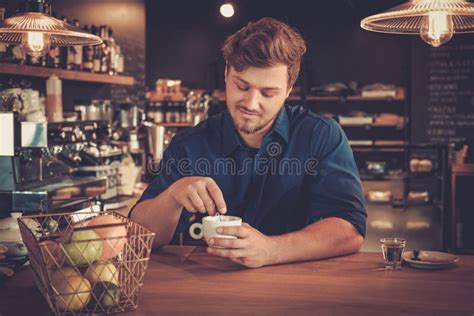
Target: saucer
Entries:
(430, 259)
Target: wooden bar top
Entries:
(187, 281)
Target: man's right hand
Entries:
(199, 194)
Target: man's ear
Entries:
(225, 73)
(289, 91)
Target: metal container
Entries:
(156, 137)
(95, 110)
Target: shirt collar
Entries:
(282, 124)
(231, 138)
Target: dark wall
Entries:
(184, 40)
(127, 19)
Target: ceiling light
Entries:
(434, 20)
(36, 31)
(227, 10)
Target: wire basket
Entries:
(87, 262)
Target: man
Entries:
(288, 173)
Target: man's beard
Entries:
(246, 129)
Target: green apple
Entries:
(83, 247)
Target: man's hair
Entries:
(265, 43)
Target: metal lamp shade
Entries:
(62, 33)
(406, 18)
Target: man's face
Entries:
(255, 96)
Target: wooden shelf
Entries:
(353, 98)
(399, 97)
(372, 148)
(43, 72)
(377, 143)
(399, 126)
(175, 124)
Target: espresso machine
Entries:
(87, 147)
(32, 168)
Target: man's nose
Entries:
(253, 99)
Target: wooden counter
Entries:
(187, 281)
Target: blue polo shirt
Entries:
(304, 171)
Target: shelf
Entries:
(372, 148)
(404, 205)
(366, 177)
(43, 72)
(376, 143)
(175, 124)
(399, 97)
(398, 126)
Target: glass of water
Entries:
(392, 249)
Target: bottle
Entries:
(63, 52)
(182, 111)
(120, 60)
(159, 115)
(177, 112)
(33, 61)
(188, 108)
(70, 57)
(105, 48)
(19, 55)
(87, 55)
(168, 111)
(112, 53)
(77, 61)
(97, 51)
(57, 57)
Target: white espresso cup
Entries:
(211, 223)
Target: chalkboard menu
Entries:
(442, 103)
(134, 53)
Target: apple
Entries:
(102, 272)
(73, 291)
(83, 247)
(52, 253)
(114, 237)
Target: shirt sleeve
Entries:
(335, 189)
(166, 174)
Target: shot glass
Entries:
(392, 249)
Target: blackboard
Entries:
(134, 52)
(442, 90)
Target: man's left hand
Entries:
(251, 248)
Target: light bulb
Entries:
(227, 10)
(36, 44)
(436, 28)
